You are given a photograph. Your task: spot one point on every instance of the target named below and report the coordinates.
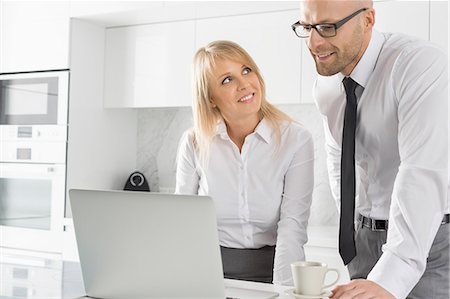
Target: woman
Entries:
(253, 160)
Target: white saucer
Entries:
(291, 292)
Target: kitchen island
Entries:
(26, 274)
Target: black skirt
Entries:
(248, 264)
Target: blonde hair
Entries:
(206, 116)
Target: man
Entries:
(384, 101)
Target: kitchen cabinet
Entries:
(134, 79)
(439, 23)
(110, 11)
(215, 9)
(34, 35)
(130, 13)
(149, 65)
(268, 38)
(408, 17)
(99, 154)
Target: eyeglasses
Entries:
(324, 30)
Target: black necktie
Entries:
(347, 248)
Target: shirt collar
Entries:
(222, 129)
(263, 129)
(362, 71)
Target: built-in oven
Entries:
(33, 146)
(31, 209)
(34, 98)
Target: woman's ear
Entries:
(212, 103)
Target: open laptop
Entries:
(149, 245)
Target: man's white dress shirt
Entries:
(401, 148)
(262, 194)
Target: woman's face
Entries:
(236, 91)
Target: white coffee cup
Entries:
(309, 277)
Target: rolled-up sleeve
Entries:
(419, 197)
(187, 178)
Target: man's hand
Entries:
(360, 289)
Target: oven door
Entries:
(32, 198)
(39, 98)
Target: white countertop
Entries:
(35, 277)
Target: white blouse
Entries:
(262, 194)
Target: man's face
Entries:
(342, 52)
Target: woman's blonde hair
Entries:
(206, 116)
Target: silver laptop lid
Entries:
(147, 245)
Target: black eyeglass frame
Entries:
(336, 25)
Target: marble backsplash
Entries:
(160, 129)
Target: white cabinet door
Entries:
(439, 23)
(105, 10)
(34, 35)
(214, 9)
(408, 17)
(149, 65)
(270, 41)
